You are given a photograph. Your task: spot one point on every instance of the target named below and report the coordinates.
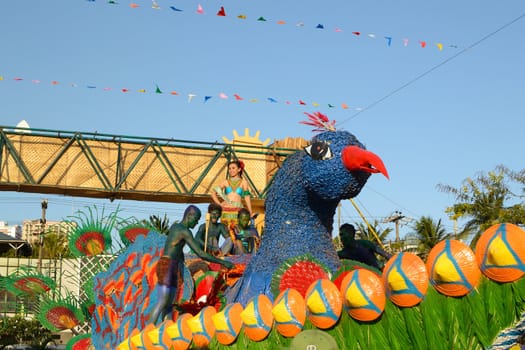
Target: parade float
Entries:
(295, 291)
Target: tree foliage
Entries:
(18, 330)
(373, 232)
(488, 199)
(161, 225)
(55, 246)
(429, 233)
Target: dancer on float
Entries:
(229, 195)
(361, 250)
(170, 266)
(246, 235)
(213, 230)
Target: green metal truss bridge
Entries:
(128, 167)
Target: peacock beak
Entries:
(355, 158)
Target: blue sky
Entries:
(434, 116)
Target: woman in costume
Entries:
(230, 193)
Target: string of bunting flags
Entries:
(190, 97)
(221, 12)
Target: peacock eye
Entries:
(319, 150)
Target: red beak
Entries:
(356, 158)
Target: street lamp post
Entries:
(42, 230)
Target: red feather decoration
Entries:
(319, 121)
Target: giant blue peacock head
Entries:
(335, 165)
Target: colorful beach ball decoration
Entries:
(324, 303)
(500, 252)
(289, 312)
(142, 340)
(452, 268)
(405, 279)
(228, 323)
(155, 341)
(364, 295)
(257, 317)
(202, 327)
(178, 334)
(128, 344)
(159, 337)
(350, 265)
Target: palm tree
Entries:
(160, 225)
(429, 234)
(483, 201)
(55, 246)
(366, 232)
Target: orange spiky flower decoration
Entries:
(319, 121)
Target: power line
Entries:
(410, 82)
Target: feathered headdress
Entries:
(319, 121)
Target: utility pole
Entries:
(395, 218)
(42, 230)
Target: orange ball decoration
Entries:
(142, 340)
(289, 312)
(128, 344)
(257, 317)
(228, 323)
(364, 295)
(324, 302)
(177, 334)
(452, 268)
(500, 252)
(202, 326)
(405, 279)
